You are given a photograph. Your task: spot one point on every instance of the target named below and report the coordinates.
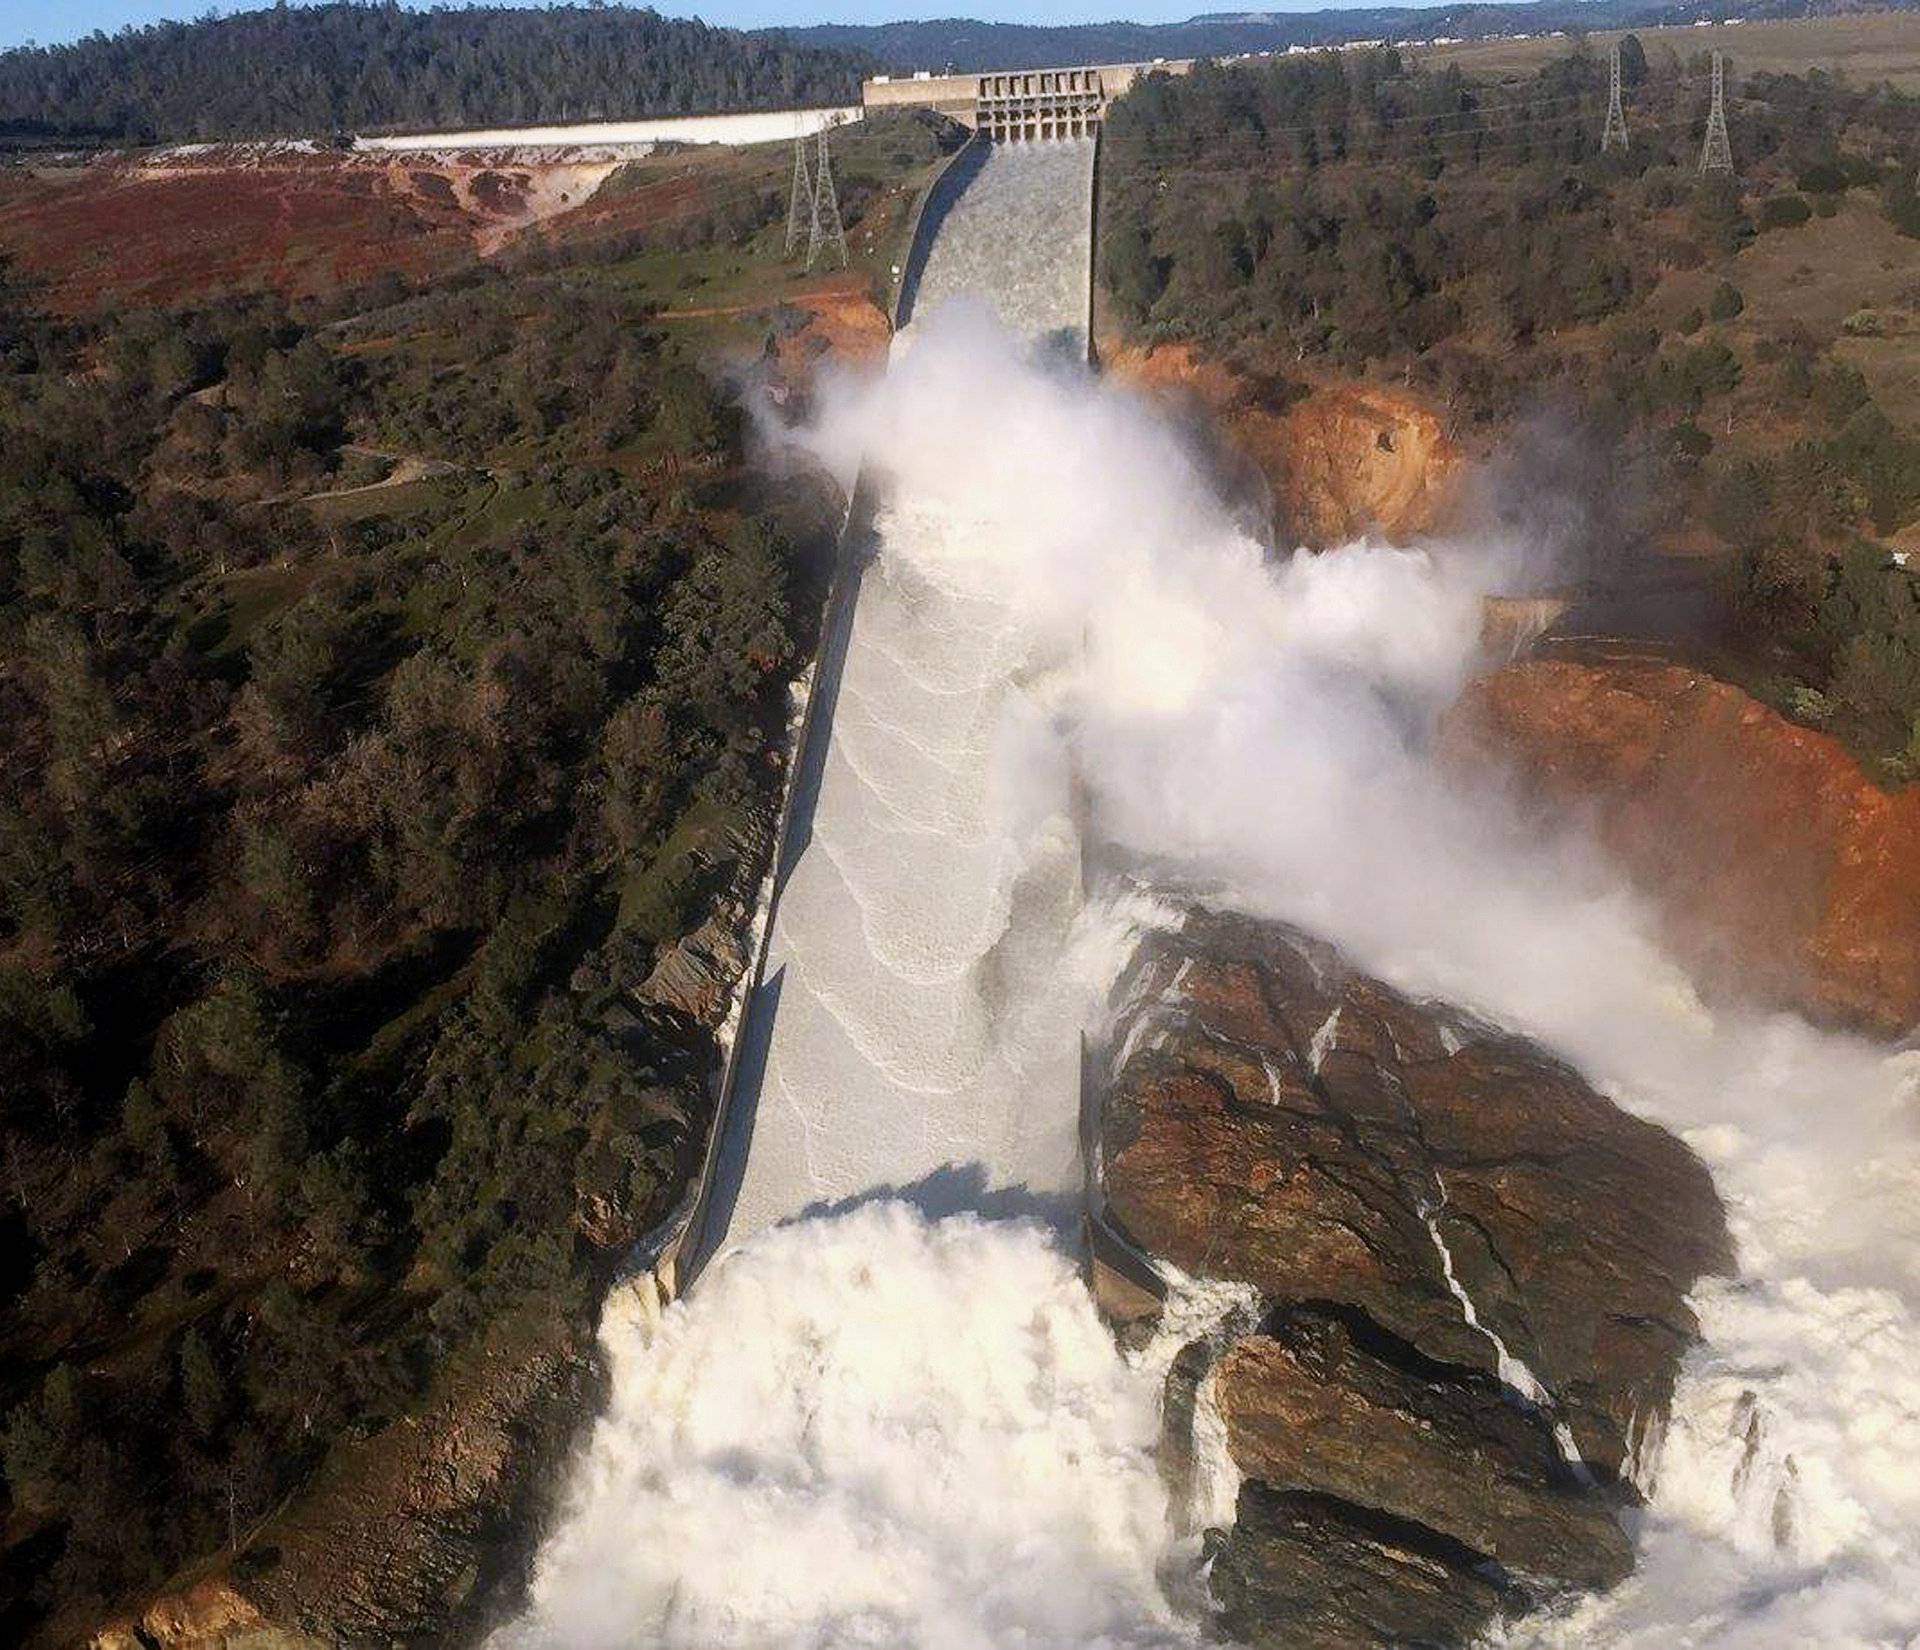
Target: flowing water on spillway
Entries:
(920, 1024)
(876, 1423)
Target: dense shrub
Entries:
(316, 835)
(1350, 213)
(1784, 211)
(345, 66)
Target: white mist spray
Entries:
(1259, 729)
(877, 1430)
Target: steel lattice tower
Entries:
(1616, 132)
(801, 201)
(826, 229)
(1716, 154)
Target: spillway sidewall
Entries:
(672, 1253)
(946, 186)
(681, 1259)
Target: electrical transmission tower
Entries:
(801, 201)
(1716, 154)
(826, 229)
(1616, 132)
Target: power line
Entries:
(1353, 128)
(1716, 153)
(1540, 120)
(1362, 124)
(1494, 144)
(1616, 132)
(1124, 158)
(827, 230)
(1364, 121)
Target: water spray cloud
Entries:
(879, 1430)
(1259, 727)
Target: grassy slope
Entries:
(1874, 47)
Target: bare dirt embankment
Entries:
(180, 226)
(185, 226)
(1339, 459)
(1784, 874)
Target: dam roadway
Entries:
(897, 1040)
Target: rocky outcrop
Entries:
(1307, 1573)
(1338, 459)
(1783, 872)
(695, 977)
(412, 1531)
(210, 1613)
(1308, 1407)
(418, 1525)
(1474, 1272)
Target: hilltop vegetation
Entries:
(1736, 355)
(348, 791)
(352, 66)
(962, 44)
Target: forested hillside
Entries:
(963, 44)
(1731, 360)
(319, 70)
(381, 702)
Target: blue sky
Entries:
(51, 21)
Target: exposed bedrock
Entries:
(1474, 1268)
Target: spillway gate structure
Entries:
(1031, 105)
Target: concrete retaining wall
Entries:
(665, 1262)
(929, 212)
(1123, 1279)
(760, 126)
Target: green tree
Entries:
(203, 1390)
(690, 417)
(1633, 61)
(1718, 216)
(1134, 275)
(1900, 197)
(1784, 211)
(40, 1447)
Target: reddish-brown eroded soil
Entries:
(1340, 460)
(1784, 873)
(119, 232)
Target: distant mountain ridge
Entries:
(963, 45)
(293, 71)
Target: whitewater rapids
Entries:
(876, 1426)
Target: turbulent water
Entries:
(875, 1427)
(919, 1029)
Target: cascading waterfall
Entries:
(873, 1426)
(867, 1429)
(1512, 1371)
